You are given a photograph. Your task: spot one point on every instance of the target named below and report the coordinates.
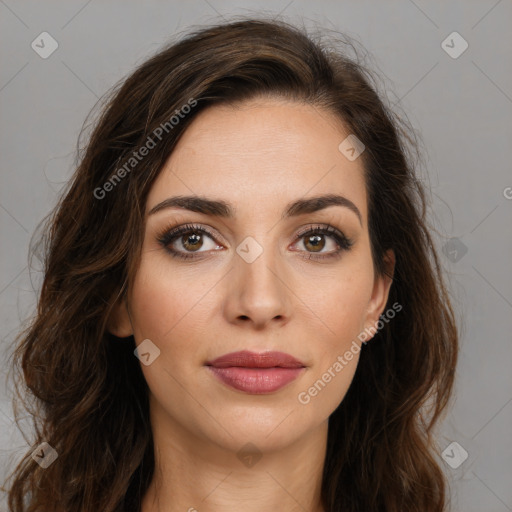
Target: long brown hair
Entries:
(87, 393)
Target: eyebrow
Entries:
(219, 208)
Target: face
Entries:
(263, 278)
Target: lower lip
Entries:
(256, 380)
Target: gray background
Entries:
(461, 106)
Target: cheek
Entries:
(165, 309)
(164, 300)
(342, 307)
(343, 304)
(337, 354)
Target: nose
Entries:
(258, 292)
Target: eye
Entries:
(314, 242)
(189, 239)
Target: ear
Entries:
(119, 323)
(380, 291)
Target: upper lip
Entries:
(247, 359)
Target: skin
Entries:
(258, 156)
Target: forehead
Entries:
(261, 152)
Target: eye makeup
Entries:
(169, 236)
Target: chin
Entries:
(267, 427)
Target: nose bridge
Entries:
(259, 274)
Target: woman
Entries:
(242, 305)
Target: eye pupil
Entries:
(192, 240)
(316, 241)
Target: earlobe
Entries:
(380, 293)
(119, 323)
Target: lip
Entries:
(256, 373)
(248, 359)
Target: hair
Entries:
(85, 390)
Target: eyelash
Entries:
(168, 235)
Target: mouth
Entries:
(255, 373)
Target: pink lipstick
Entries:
(256, 373)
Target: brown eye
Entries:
(184, 241)
(192, 242)
(323, 242)
(315, 243)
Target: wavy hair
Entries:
(87, 394)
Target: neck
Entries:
(195, 475)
